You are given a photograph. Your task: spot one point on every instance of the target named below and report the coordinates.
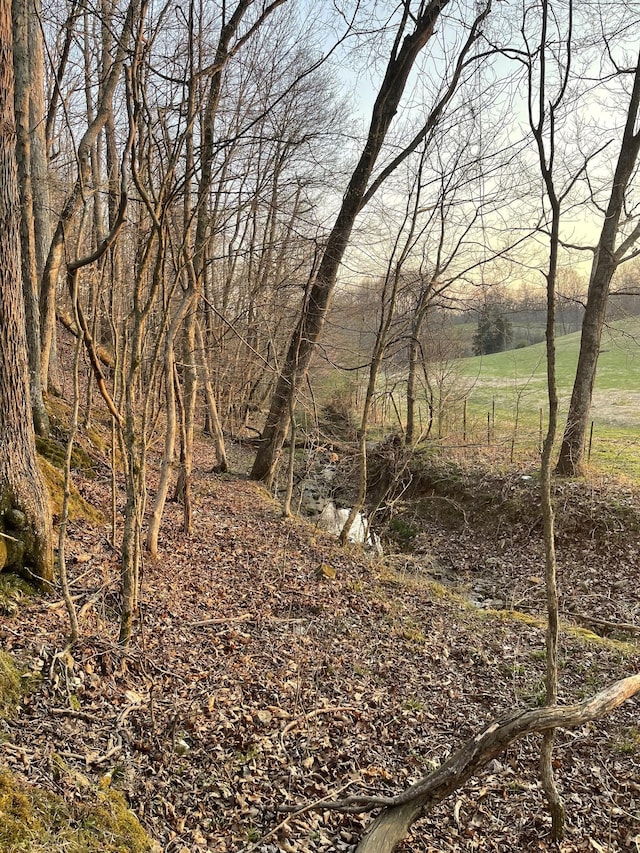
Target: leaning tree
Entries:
(618, 237)
(415, 29)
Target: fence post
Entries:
(540, 433)
(464, 421)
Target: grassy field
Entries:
(506, 393)
(496, 405)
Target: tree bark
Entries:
(30, 286)
(24, 504)
(37, 116)
(605, 262)
(213, 418)
(426, 293)
(543, 132)
(171, 428)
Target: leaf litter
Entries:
(258, 680)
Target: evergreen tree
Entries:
(494, 333)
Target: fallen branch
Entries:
(309, 807)
(76, 715)
(103, 354)
(592, 621)
(391, 826)
(223, 620)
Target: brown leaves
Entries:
(255, 686)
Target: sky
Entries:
(592, 114)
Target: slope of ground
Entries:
(271, 668)
(511, 387)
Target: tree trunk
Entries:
(39, 165)
(171, 428)
(24, 504)
(414, 350)
(412, 369)
(30, 287)
(190, 385)
(605, 262)
(543, 132)
(314, 312)
(213, 419)
(40, 177)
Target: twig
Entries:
(298, 811)
(6, 536)
(56, 605)
(109, 754)
(316, 713)
(221, 621)
(77, 715)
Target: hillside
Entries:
(523, 371)
(509, 388)
(270, 668)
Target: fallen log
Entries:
(391, 826)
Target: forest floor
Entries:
(271, 668)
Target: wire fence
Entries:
(463, 430)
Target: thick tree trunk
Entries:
(39, 164)
(572, 450)
(314, 312)
(606, 260)
(25, 515)
(30, 286)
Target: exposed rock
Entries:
(333, 520)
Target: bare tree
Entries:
(543, 110)
(414, 31)
(75, 199)
(609, 253)
(30, 281)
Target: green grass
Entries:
(522, 372)
(37, 820)
(515, 381)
